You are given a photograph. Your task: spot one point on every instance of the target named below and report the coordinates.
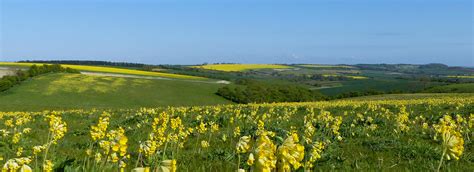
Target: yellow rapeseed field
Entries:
(110, 70)
(326, 66)
(347, 76)
(462, 76)
(241, 67)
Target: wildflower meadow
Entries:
(421, 135)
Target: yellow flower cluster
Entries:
(265, 154)
(17, 164)
(402, 120)
(57, 127)
(290, 153)
(315, 154)
(98, 132)
(114, 145)
(244, 144)
(452, 141)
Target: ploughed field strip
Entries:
(416, 135)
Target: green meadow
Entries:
(66, 91)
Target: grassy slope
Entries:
(59, 91)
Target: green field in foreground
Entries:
(63, 91)
(429, 134)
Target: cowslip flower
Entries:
(265, 154)
(48, 166)
(243, 144)
(251, 159)
(290, 153)
(204, 144)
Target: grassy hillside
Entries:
(110, 70)
(58, 91)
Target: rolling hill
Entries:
(66, 91)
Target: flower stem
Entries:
(238, 161)
(441, 160)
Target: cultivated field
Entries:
(425, 134)
(326, 66)
(462, 76)
(110, 70)
(5, 71)
(241, 67)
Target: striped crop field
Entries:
(110, 70)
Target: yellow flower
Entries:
(9, 123)
(453, 144)
(98, 132)
(98, 157)
(122, 165)
(26, 130)
(114, 157)
(237, 131)
(265, 154)
(452, 141)
(202, 128)
(25, 168)
(243, 144)
(19, 151)
(425, 125)
(16, 137)
(204, 144)
(290, 153)
(251, 159)
(175, 123)
(57, 127)
(141, 169)
(48, 166)
(148, 148)
(315, 154)
(89, 152)
(11, 165)
(168, 166)
(37, 149)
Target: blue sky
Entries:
(240, 31)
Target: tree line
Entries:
(87, 62)
(9, 81)
(252, 91)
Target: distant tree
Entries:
(9, 81)
(251, 91)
